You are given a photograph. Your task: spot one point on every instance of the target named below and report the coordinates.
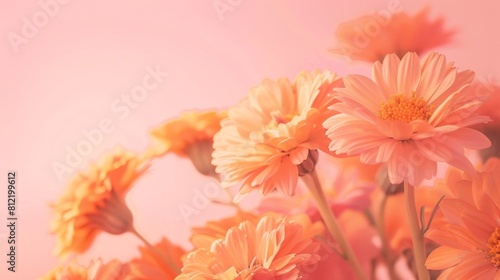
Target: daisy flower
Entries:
(190, 135)
(470, 241)
(94, 202)
(273, 135)
(371, 37)
(412, 114)
(273, 248)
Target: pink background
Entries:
(64, 80)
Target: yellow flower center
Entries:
(494, 248)
(405, 109)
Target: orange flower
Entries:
(272, 136)
(272, 249)
(96, 271)
(190, 135)
(370, 38)
(95, 202)
(151, 266)
(203, 237)
(412, 115)
(470, 241)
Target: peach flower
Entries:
(369, 38)
(271, 249)
(94, 202)
(273, 135)
(190, 135)
(490, 91)
(470, 241)
(413, 114)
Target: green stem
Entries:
(416, 232)
(331, 223)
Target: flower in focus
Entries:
(271, 248)
(95, 202)
(470, 241)
(412, 115)
(203, 237)
(151, 266)
(273, 135)
(190, 135)
(370, 38)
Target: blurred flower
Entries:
(370, 38)
(470, 241)
(343, 187)
(266, 250)
(190, 135)
(273, 131)
(96, 271)
(491, 94)
(361, 236)
(203, 237)
(95, 202)
(71, 271)
(412, 115)
(150, 266)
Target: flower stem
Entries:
(386, 249)
(416, 232)
(312, 182)
(166, 258)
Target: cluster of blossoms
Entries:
(346, 166)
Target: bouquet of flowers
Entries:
(346, 167)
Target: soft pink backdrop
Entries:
(67, 76)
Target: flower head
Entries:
(190, 135)
(95, 202)
(470, 241)
(370, 38)
(413, 114)
(273, 247)
(271, 133)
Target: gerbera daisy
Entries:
(371, 37)
(272, 135)
(190, 135)
(412, 115)
(94, 202)
(271, 249)
(470, 242)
